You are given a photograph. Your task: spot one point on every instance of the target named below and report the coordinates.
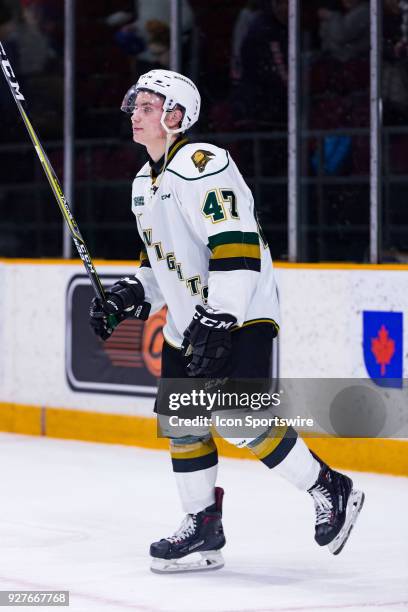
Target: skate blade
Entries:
(354, 505)
(210, 560)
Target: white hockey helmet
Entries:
(176, 89)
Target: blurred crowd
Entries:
(237, 53)
(32, 33)
(239, 60)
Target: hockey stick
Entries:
(144, 309)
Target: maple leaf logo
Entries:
(383, 348)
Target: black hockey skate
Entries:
(337, 506)
(198, 533)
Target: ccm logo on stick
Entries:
(8, 71)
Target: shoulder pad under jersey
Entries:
(198, 160)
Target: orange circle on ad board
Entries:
(152, 342)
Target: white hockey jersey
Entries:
(202, 242)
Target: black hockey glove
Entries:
(101, 323)
(124, 300)
(126, 297)
(208, 341)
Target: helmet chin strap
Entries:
(169, 134)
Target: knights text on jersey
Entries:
(202, 242)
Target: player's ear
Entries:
(174, 118)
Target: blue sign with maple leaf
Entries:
(383, 347)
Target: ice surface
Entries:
(80, 517)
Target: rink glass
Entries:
(240, 63)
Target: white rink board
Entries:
(35, 343)
(321, 333)
(322, 321)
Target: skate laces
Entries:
(186, 529)
(323, 504)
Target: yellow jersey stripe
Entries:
(236, 250)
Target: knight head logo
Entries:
(201, 158)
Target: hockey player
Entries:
(204, 257)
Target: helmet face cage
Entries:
(176, 91)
